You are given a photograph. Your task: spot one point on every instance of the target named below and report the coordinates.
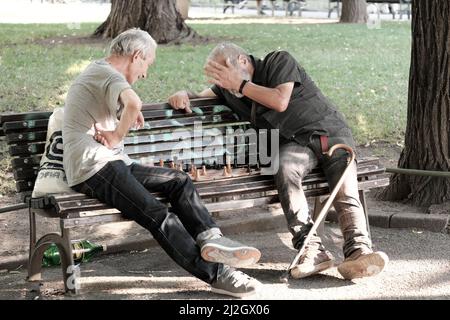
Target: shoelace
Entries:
(238, 278)
(311, 253)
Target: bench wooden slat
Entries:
(38, 136)
(137, 138)
(236, 179)
(27, 162)
(225, 124)
(240, 204)
(194, 103)
(206, 136)
(83, 205)
(174, 114)
(241, 188)
(26, 174)
(32, 115)
(27, 149)
(24, 185)
(145, 149)
(187, 158)
(186, 121)
(370, 184)
(25, 125)
(92, 220)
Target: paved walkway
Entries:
(119, 237)
(419, 268)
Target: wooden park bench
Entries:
(226, 186)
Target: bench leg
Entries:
(32, 220)
(36, 254)
(71, 272)
(362, 198)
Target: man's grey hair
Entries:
(132, 40)
(227, 50)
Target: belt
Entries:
(324, 144)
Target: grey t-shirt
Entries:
(92, 98)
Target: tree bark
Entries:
(354, 11)
(428, 124)
(160, 18)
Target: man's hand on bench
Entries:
(180, 101)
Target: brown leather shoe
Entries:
(363, 264)
(312, 262)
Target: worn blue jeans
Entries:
(128, 189)
(296, 162)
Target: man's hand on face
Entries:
(180, 101)
(109, 139)
(225, 76)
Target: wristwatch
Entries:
(244, 82)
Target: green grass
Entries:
(364, 71)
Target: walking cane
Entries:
(285, 277)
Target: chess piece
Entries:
(225, 172)
(229, 170)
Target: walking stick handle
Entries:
(346, 148)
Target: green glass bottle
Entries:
(83, 251)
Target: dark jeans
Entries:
(127, 188)
(296, 162)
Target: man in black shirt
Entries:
(277, 93)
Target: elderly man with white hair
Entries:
(95, 164)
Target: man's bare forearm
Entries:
(192, 94)
(207, 93)
(127, 120)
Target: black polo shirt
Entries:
(309, 112)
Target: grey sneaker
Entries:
(232, 253)
(312, 261)
(363, 264)
(234, 283)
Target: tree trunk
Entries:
(354, 11)
(160, 18)
(428, 126)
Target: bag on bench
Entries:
(51, 178)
